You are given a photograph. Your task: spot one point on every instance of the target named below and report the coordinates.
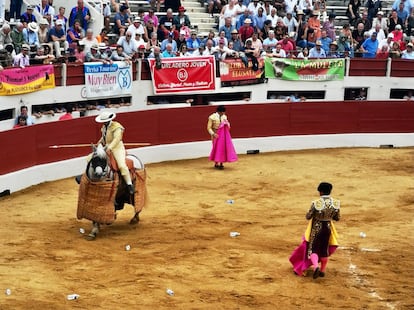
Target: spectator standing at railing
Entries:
(393, 21)
(68, 113)
(24, 112)
(28, 17)
(47, 11)
(252, 54)
(21, 122)
(81, 13)
(370, 46)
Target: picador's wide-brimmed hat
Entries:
(105, 116)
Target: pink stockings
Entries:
(315, 261)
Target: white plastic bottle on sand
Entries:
(72, 296)
(170, 292)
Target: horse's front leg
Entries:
(95, 230)
(135, 219)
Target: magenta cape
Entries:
(299, 258)
(223, 149)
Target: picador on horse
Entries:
(112, 178)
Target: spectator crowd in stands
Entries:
(247, 29)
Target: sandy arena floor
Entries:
(183, 242)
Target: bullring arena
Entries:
(182, 242)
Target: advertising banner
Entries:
(29, 79)
(329, 69)
(107, 79)
(183, 74)
(233, 69)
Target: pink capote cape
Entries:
(223, 149)
(299, 258)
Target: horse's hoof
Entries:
(90, 237)
(134, 220)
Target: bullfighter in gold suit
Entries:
(112, 133)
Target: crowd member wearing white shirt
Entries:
(380, 33)
(273, 17)
(305, 5)
(136, 27)
(290, 22)
(408, 53)
(88, 40)
(317, 51)
(279, 51)
(254, 6)
(130, 45)
(388, 42)
(290, 5)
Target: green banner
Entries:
(305, 70)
